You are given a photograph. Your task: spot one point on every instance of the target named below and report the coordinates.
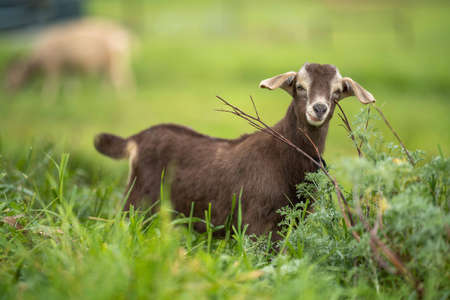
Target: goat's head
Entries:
(316, 88)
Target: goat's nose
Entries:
(320, 109)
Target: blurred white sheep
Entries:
(90, 46)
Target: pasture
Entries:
(62, 232)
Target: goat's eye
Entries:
(300, 87)
(336, 94)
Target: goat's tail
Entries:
(111, 145)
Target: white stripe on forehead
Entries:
(338, 74)
(303, 77)
(336, 83)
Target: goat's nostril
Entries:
(319, 109)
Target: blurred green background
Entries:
(190, 51)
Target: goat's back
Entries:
(205, 170)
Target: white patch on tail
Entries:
(132, 150)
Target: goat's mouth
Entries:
(314, 120)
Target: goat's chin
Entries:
(313, 121)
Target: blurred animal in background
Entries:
(88, 46)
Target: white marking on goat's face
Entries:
(317, 88)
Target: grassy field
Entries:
(188, 53)
(64, 234)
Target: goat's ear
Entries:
(285, 81)
(352, 88)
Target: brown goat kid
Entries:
(210, 170)
(90, 46)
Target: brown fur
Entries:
(89, 46)
(210, 170)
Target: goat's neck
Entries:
(289, 128)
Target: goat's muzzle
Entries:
(316, 113)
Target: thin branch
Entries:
(379, 220)
(254, 107)
(411, 160)
(372, 244)
(313, 144)
(348, 128)
(344, 202)
(366, 126)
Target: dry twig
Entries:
(366, 126)
(347, 127)
(411, 160)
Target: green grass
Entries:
(189, 53)
(74, 242)
(63, 235)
